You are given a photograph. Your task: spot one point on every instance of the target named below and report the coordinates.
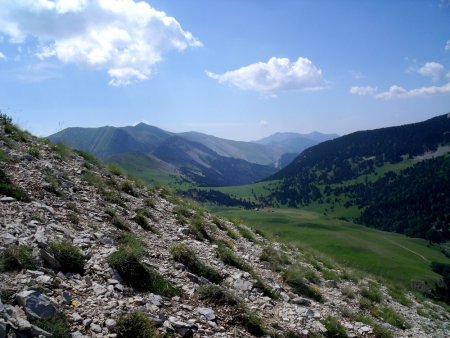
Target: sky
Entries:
(237, 69)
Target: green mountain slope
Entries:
(354, 172)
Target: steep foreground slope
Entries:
(101, 255)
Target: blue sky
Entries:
(238, 69)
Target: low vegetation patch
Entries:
(199, 229)
(143, 222)
(88, 157)
(372, 293)
(391, 316)
(57, 326)
(295, 277)
(17, 258)
(52, 185)
(215, 294)
(9, 189)
(276, 258)
(128, 188)
(62, 150)
(228, 257)
(135, 325)
(246, 232)
(127, 261)
(348, 292)
(183, 254)
(69, 256)
(334, 328)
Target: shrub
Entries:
(246, 232)
(372, 293)
(334, 328)
(57, 326)
(16, 258)
(9, 189)
(68, 255)
(229, 258)
(135, 325)
(215, 294)
(126, 260)
(391, 316)
(73, 218)
(185, 255)
(295, 277)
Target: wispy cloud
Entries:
(276, 75)
(363, 90)
(396, 91)
(447, 46)
(2, 56)
(124, 37)
(263, 123)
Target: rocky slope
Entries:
(52, 196)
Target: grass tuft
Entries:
(391, 316)
(215, 294)
(372, 293)
(127, 261)
(334, 328)
(68, 255)
(276, 258)
(185, 255)
(135, 325)
(9, 189)
(16, 258)
(57, 326)
(229, 258)
(295, 277)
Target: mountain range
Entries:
(147, 151)
(395, 179)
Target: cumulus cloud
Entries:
(447, 45)
(124, 37)
(363, 90)
(278, 74)
(434, 70)
(400, 92)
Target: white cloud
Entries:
(2, 56)
(278, 74)
(400, 92)
(124, 37)
(447, 46)
(263, 123)
(363, 90)
(434, 70)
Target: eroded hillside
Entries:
(105, 256)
